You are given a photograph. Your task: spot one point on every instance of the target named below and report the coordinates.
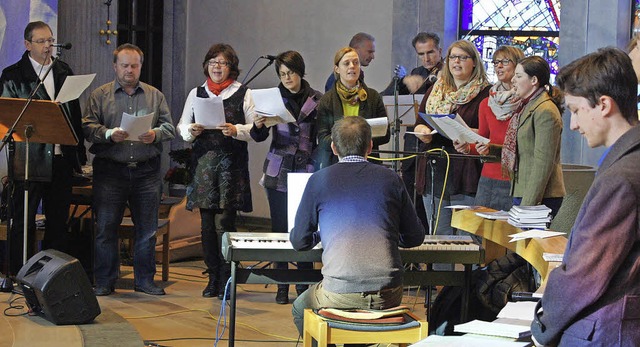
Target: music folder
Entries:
(49, 122)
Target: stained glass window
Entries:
(531, 25)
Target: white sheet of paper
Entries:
(271, 119)
(466, 341)
(453, 128)
(73, 87)
(534, 233)
(378, 126)
(296, 182)
(208, 112)
(136, 126)
(518, 310)
(269, 102)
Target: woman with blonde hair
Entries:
(348, 97)
(461, 87)
(494, 113)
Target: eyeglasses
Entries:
(287, 74)
(504, 62)
(218, 63)
(50, 40)
(459, 57)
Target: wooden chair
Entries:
(318, 328)
(126, 231)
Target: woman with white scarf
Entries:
(494, 114)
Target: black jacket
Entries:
(18, 81)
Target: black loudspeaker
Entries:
(55, 285)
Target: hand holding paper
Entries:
(453, 127)
(268, 103)
(208, 112)
(136, 126)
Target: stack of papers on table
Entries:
(535, 233)
(530, 217)
(496, 215)
(503, 327)
(468, 340)
(552, 256)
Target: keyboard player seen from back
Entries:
(364, 217)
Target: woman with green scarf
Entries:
(349, 97)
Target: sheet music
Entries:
(136, 126)
(209, 112)
(73, 87)
(268, 102)
(296, 182)
(453, 127)
(378, 126)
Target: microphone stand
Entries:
(257, 73)
(396, 124)
(29, 129)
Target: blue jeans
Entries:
(114, 186)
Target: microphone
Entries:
(67, 45)
(268, 56)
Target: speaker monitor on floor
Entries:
(56, 286)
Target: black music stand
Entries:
(43, 121)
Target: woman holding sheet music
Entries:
(531, 151)
(348, 97)
(459, 90)
(219, 160)
(494, 113)
(292, 145)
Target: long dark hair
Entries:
(538, 67)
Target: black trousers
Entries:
(56, 199)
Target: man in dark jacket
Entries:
(593, 297)
(51, 166)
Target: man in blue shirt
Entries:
(365, 214)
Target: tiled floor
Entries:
(180, 318)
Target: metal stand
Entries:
(396, 125)
(257, 73)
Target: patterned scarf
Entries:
(353, 95)
(445, 101)
(217, 88)
(509, 158)
(503, 102)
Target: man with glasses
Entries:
(427, 46)
(51, 166)
(126, 169)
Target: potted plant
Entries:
(179, 176)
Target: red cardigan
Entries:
(495, 130)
